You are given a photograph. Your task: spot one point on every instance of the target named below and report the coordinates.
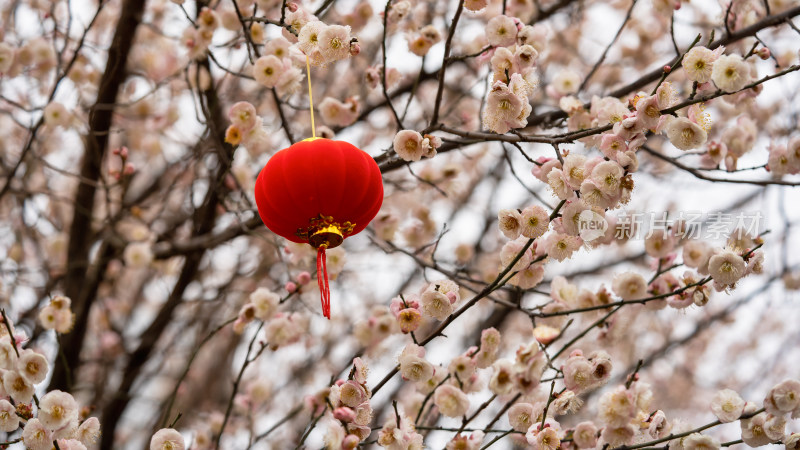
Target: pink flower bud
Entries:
(291, 6)
(123, 152)
(303, 278)
(763, 53)
(667, 69)
(344, 414)
(290, 287)
(350, 441)
(452, 297)
(355, 49)
(129, 168)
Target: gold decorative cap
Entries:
(324, 231)
(330, 236)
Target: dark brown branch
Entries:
(77, 285)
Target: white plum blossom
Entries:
(510, 251)
(268, 70)
(265, 303)
(17, 387)
(534, 222)
(167, 439)
(413, 365)
(585, 435)
(501, 31)
(88, 431)
(522, 415)
(57, 409)
(8, 357)
(697, 441)
(784, 397)
(451, 401)
(726, 267)
(412, 146)
(32, 366)
(36, 436)
(9, 421)
(630, 286)
(505, 109)
(730, 73)
(685, 134)
(334, 43)
(754, 430)
(727, 405)
(699, 62)
(510, 222)
(138, 254)
(436, 304)
(338, 113)
(566, 82)
(56, 115)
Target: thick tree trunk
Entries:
(80, 283)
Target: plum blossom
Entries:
(268, 70)
(699, 62)
(783, 398)
(167, 439)
(727, 405)
(630, 286)
(450, 400)
(685, 134)
(501, 31)
(522, 415)
(534, 222)
(413, 365)
(32, 366)
(510, 222)
(730, 73)
(726, 267)
(334, 43)
(585, 435)
(505, 109)
(412, 146)
(9, 421)
(37, 437)
(56, 409)
(17, 387)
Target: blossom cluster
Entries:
(56, 415)
(349, 401)
(513, 74)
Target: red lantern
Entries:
(320, 192)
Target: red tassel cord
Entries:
(322, 280)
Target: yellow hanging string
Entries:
(310, 99)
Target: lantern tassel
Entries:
(322, 280)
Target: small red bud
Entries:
(667, 69)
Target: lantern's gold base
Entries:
(324, 231)
(328, 237)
